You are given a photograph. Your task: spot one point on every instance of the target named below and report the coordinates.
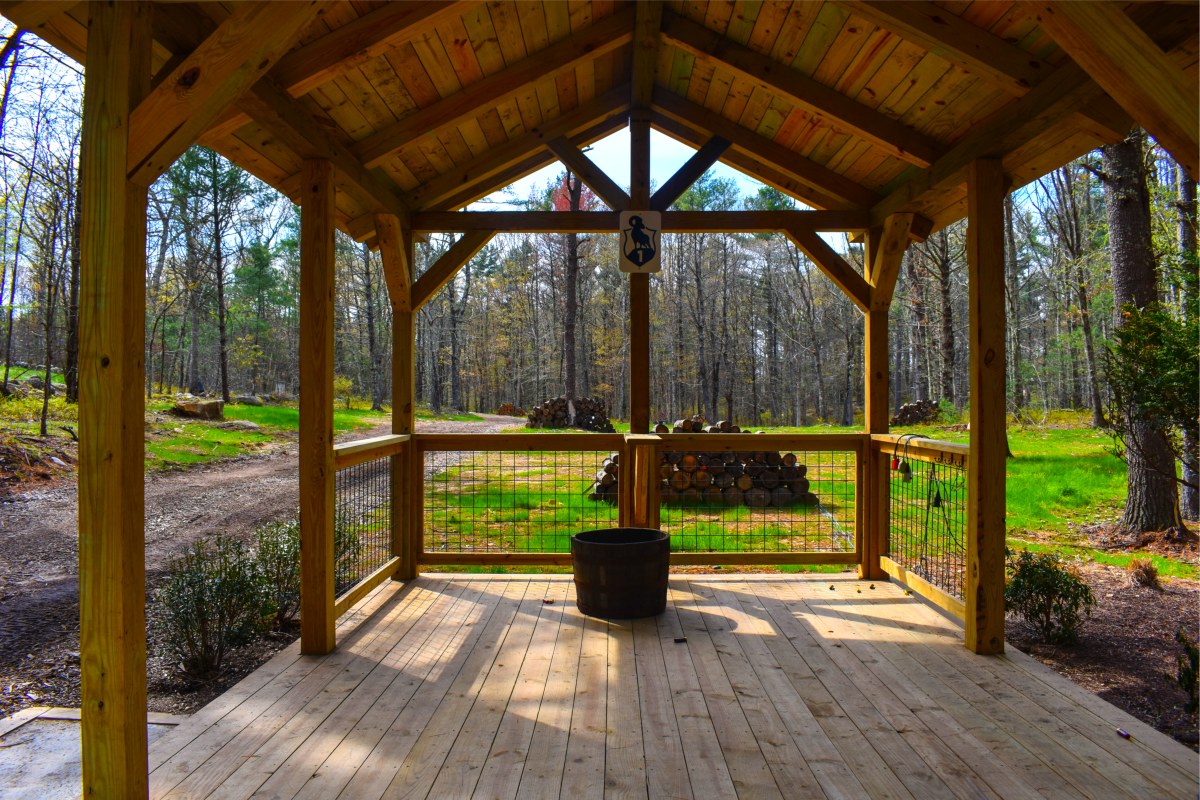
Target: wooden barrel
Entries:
(621, 573)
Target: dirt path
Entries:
(39, 597)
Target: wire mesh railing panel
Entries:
(508, 501)
(928, 520)
(802, 501)
(362, 526)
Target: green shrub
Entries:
(1188, 669)
(212, 601)
(277, 553)
(1049, 597)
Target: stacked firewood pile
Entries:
(590, 415)
(697, 424)
(916, 413)
(756, 479)
(509, 410)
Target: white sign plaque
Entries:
(641, 241)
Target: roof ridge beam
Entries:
(603, 37)
(1130, 67)
(597, 179)
(646, 39)
(708, 154)
(202, 86)
(608, 221)
(954, 39)
(806, 171)
(893, 137)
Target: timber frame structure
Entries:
(889, 119)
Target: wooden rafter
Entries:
(607, 221)
(597, 179)
(844, 276)
(780, 80)
(296, 123)
(446, 267)
(689, 173)
(824, 181)
(210, 80)
(1066, 91)
(647, 21)
(397, 271)
(603, 37)
(1126, 63)
(952, 38)
(607, 109)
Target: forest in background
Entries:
(743, 327)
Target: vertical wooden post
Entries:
(317, 470)
(987, 186)
(639, 284)
(395, 249)
(112, 579)
(885, 249)
(409, 542)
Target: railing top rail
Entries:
(757, 441)
(920, 448)
(359, 451)
(519, 441)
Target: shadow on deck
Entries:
(782, 686)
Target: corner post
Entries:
(875, 418)
(639, 283)
(396, 252)
(112, 574)
(317, 471)
(987, 186)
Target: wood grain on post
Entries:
(986, 189)
(112, 577)
(317, 470)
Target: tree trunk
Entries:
(1013, 286)
(1153, 502)
(947, 313)
(71, 356)
(374, 352)
(1190, 494)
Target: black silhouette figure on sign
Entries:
(639, 236)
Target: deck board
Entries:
(497, 687)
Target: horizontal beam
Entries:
(602, 37)
(800, 90)
(607, 221)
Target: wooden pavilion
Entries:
(888, 119)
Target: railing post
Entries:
(317, 471)
(642, 505)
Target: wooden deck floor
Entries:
(748, 686)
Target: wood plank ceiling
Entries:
(852, 105)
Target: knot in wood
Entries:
(188, 79)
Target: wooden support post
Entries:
(639, 283)
(395, 249)
(884, 251)
(317, 469)
(112, 576)
(987, 186)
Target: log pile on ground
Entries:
(509, 410)
(917, 413)
(757, 479)
(590, 415)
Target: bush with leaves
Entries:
(1188, 669)
(1049, 597)
(277, 553)
(212, 601)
